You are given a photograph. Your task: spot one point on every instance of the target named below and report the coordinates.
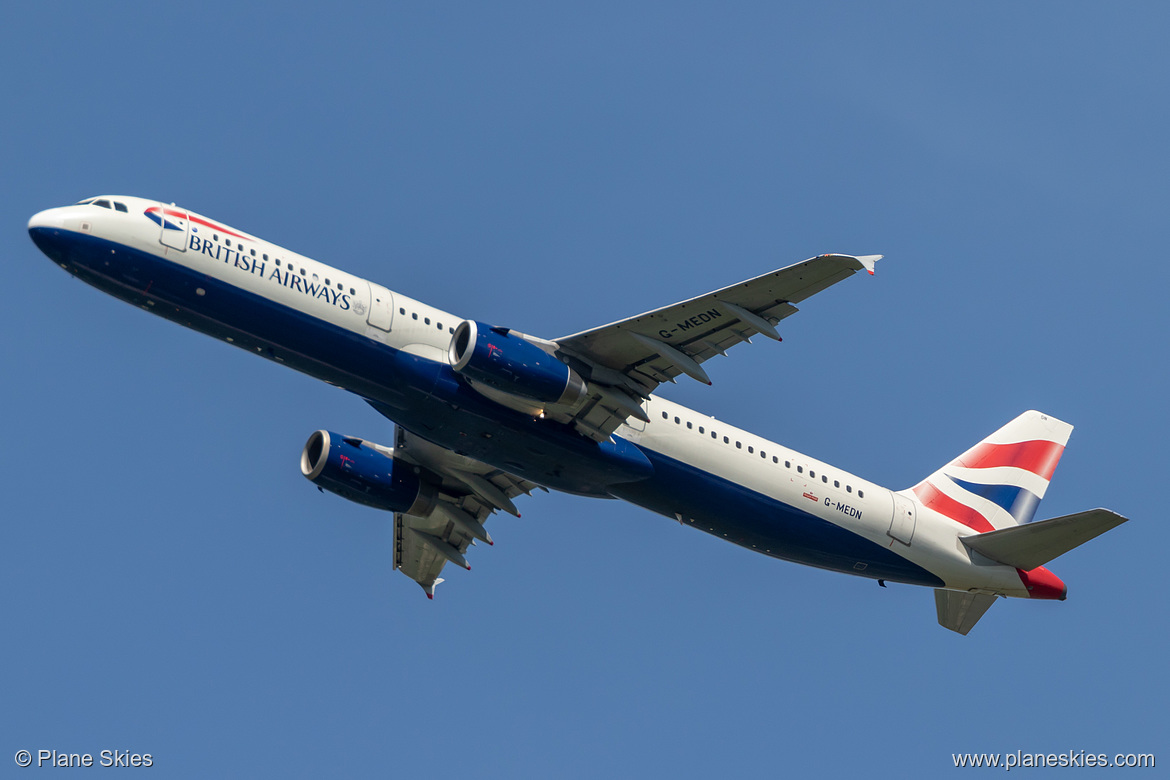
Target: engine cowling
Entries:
(508, 363)
(363, 472)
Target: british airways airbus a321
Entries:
(484, 414)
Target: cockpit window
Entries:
(105, 204)
(120, 207)
(86, 202)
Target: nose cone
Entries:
(1043, 584)
(47, 229)
(48, 219)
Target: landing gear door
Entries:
(381, 314)
(902, 525)
(175, 227)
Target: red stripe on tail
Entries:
(933, 498)
(1038, 457)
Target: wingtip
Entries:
(867, 262)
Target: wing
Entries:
(469, 492)
(625, 361)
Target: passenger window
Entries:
(302, 272)
(701, 429)
(861, 494)
(726, 440)
(427, 320)
(120, 207)
(787, 464)
(812, 473)
(800, 469)
(351, 292)
(739, 445)
(253, 253)
(414, 315)
(676, 421)
(836, 483)
(713, 434)
(401, 311)
(439, 325)
(228, 241)
(775, 459)
(689, 426)
(265, 257)
(825, 478)
(751, 450)
(278, 262)
(665, 416)
(848, 488)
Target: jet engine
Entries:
(365, 472)
(510, 363)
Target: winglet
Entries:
(430, 589)
(867, 261)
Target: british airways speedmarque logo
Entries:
(170, 219)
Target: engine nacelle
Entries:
(510, 364)
(366, 473)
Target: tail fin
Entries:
(999, 482)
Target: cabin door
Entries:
(902, 525)
(175, 227)
(381, 307)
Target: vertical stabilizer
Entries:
(999, 482)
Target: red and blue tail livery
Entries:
(999, 482)
(485, 414)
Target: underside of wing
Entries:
(625, 361)
(468, 493)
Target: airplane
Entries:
(484, 414)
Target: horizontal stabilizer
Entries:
(1035, 544)
(960, 611)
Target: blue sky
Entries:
(170, 584)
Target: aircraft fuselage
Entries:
(393, 351)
